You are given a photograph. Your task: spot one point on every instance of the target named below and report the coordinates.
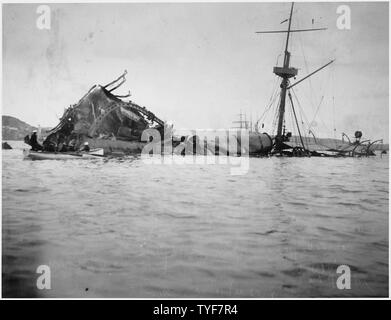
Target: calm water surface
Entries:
(123, 228)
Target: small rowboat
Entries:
(42, 155)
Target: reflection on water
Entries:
(121, 228)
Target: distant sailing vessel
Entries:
(260, 144)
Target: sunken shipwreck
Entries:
(114, 127)
(106, 122)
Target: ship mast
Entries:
(286, 72)
(243, 124)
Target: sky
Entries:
(198, 65)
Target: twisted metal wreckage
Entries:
(104, 120)
(107, 122)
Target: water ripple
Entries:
(122, 228)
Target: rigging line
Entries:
(263, 114)
(317, 140)
(314, 135)
(321, 100)
(263, 117)
(333, 91)
(268, 105)
(301, 108)
(278, 58)
(271, 102)
(306, 66)
(304, 128)
(297, 124)
(276, 114)
(325, 126)
(274, 92)
(274, 100)
(294, 130)
(292, 116)
(334, 129)
(289, 112)
(301, 113)
(275, 119)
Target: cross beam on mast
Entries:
(298, 30)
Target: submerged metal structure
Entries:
(283, 141)
(105, 121)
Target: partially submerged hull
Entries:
(256, 144)
(38, 155)
(113, 147)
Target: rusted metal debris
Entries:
(102, 118)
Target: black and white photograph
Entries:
(195, 150)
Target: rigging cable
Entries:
(316, 113)
(333, 91)
(270, 104)
(276, 115)
(302, 110)
(306, 66)
(297, 123)
(302, 122)
(302, 115)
